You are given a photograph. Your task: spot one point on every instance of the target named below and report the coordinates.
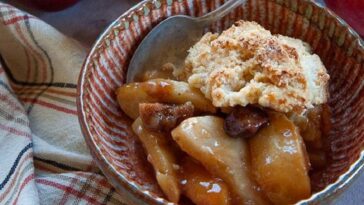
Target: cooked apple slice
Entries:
(280, 162)
(161, 156)
(200, 186)
(160, 90)
(204, 139)
(314, 126)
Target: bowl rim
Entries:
(128, 190)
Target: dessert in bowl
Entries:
(116, 147)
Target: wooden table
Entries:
(87, 19)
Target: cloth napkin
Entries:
(43, 156)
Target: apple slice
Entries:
(161, 156)
(200, 186)
(280, 161)
(131, 95)
(204, 139)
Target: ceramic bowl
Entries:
(107, 129)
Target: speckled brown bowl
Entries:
(107, 129)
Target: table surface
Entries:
(87, 19)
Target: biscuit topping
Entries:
(246, 64)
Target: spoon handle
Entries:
(220, 12)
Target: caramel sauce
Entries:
(200, 186)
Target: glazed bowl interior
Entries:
(107, 129)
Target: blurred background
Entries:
(85, 19)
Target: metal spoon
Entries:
(169, 41)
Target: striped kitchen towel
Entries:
(43, 156)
